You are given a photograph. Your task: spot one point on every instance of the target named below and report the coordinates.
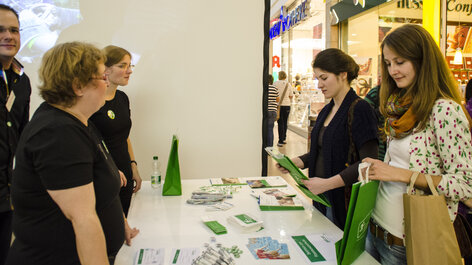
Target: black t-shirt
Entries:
(113, 121)
(56, 151)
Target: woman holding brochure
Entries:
(428, 132)
(330, 139)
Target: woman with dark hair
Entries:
(330, 167)
(113, 120)
(428, 133)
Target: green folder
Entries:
(172, 184)
(296, 174)
(361, 206)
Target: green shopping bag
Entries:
(361, 206)
(172, 184)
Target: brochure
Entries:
(281, 199)
(150, 256)
(267, 248)
(266, 182)
(185, 256)
(316, 248)
(296, 174)
(226, 181)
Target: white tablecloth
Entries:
(169, 222)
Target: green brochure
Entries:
(361, 206)
(296, 174)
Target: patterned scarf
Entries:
(400, 119)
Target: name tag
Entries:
(10, 101)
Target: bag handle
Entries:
(429, 180)
(360, 168)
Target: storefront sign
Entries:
(463, 6)
(345, 9)
(290, 20)
(276, 61)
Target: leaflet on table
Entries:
(266, 182)
(184, 256)
(226, 181)
(267, 248)
(296, 174)
(150, 256)
(316, 248)
(279, 199)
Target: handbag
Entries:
(429, 233)
(361, 206)
(172, 183)
(463, 235)
(278, 105)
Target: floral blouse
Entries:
(443, 147)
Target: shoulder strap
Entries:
(352, 155)
(283, 94)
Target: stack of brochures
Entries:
(279, 199)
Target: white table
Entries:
(169, 222)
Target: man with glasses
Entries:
(15, 91)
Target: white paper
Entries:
(324, 244)
(150, 256)
(185, 256)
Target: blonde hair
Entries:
(114, 54)
(65, 64)
(433, 79)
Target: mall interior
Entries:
(358, 28)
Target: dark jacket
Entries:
(11, 125)
(335, 145)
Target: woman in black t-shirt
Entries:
(65, 185)
(113, 120)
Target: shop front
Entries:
(293, 50)
(363, 32)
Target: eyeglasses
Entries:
(104, 77)
(12, 30)
(125, 66)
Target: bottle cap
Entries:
(154, 158)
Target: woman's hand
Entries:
(122, 178)
(296, 161)
(321, 185)
(379, 170)
(130, 233)
(136, 177)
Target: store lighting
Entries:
(458, 56)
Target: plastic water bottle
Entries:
(156, 174)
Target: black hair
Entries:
(9, 8)
(336, 61)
